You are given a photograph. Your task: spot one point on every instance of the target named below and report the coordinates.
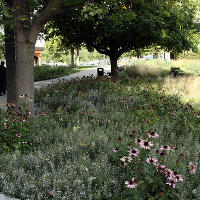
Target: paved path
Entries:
(39, 84)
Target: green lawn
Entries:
(45, 72)
(69, 154)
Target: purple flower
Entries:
(138, 141)
(151, 160)
(165, 147)
(18, 135)
(160, 168)
(131, 184)
(124, 159)
(145, 144)
(133, 152)
(152, 134)
(192, 168)
(115, 150)
(171, 182)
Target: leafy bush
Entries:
(45, 72)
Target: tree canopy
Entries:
(115, 27)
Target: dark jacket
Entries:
(2, 74)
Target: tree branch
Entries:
(54, 7)
(9, 3)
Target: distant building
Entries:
(38, 55)
(39, 48)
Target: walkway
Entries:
(39, 84)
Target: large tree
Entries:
(115, 27)
(28, 18)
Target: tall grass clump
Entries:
(186, 86)
(97, 138)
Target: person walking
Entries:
(2, 79)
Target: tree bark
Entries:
(24, 70)
(72, 56)
(10, 63)
(77, 56)
(114, 67)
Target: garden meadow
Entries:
(135, 136)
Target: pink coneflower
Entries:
(169, 172)
(165, 147)
(125, 158)
(131, 184)
(115, 150)
(192, 168)
(152, 160)
(179, 178)
(18, 135)
(138, 141)
(152, 134)
(123, 164)
(145, 144)
(133, 152)
(21, 96)
(6, 119)
(160, 168)
(171, 182)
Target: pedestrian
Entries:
(2, 79)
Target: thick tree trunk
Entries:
(114, 67)
(77, 56)
(24, 71)
(10, 64)
(72, 56)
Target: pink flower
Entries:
(165, 147)
(138, 141)
(151, 160)
(169, 172)
(152, 134)
(160, 168)
(192, 168)
(179, 178)
(133, 152)
(21, 96)
(145, 144)
(124, 159)
(131, 184)
(115, 150)
(171, 182)
(18, 135)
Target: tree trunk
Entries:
(24, 70)
(72, 56)
(114, 68)
(10, 64)
(77, 56)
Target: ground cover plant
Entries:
(85, 143)
(45, 72)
